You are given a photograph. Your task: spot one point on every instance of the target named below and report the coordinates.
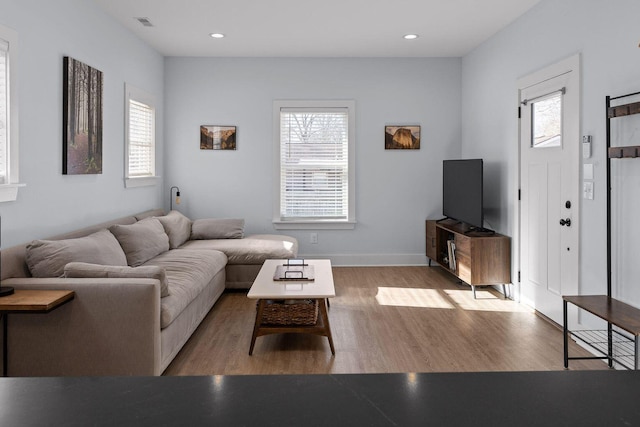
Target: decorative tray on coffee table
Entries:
(294, 270)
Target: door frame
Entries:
(570, 64)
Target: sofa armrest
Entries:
(111, 327)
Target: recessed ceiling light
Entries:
(144, 21)
(410, 36)
(217, 35)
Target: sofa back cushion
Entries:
(87, 270)
(141, 241)
(217, 228)
(47, 258)
(177, 227)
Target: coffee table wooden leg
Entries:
(325, 320)
(257, 324)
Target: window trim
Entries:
(9, 191)
(139, 95)
(311, 224)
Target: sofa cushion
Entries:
(177, 227)
(253, 249)
(47, 258)
(141, 241)
(217, 228)
(188, 272)
(86, 270)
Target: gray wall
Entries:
(606, 35)
(395, 189)
(52, 203)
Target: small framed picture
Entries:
(402, 137)
(213, 137)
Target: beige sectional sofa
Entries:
(142, 286)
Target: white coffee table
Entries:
(264, 288)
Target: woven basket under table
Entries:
(290, 312)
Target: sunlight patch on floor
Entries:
(448, 299)
(412, 297)
(484, 301)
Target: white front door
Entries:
(549, 178)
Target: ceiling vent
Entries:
(144, 21)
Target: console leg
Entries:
(565, 334)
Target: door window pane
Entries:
(546, 120)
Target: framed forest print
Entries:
(82, 119)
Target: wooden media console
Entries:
(475, 257)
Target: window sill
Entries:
(144, 181)
(9, 192)
(314, 225)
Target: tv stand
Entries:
(476, 257)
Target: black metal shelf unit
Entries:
(613, 343)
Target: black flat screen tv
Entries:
(462, 191)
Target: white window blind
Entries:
(9, 146)
(314, 162)
(4, 111)
(141, 140)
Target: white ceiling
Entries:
(323, 28)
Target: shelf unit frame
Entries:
(613, 344)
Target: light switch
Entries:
(587, 171)
(587, 190)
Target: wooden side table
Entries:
(28, 301)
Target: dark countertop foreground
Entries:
(565, 398)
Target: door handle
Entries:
(566, 222)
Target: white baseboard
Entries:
(358, 260)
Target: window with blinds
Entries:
(140, 128)
(315, 147)
(141, 140)
(4, 111)
(314, 164)
(9, 145)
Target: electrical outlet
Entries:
(313, 238)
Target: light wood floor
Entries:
(384, 319)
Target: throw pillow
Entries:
(177, 227)
(47, 258)
(213, 228)
(141, 241)
(86, 270)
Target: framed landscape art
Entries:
(213, 137)
(402, 137)
(82, 118)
